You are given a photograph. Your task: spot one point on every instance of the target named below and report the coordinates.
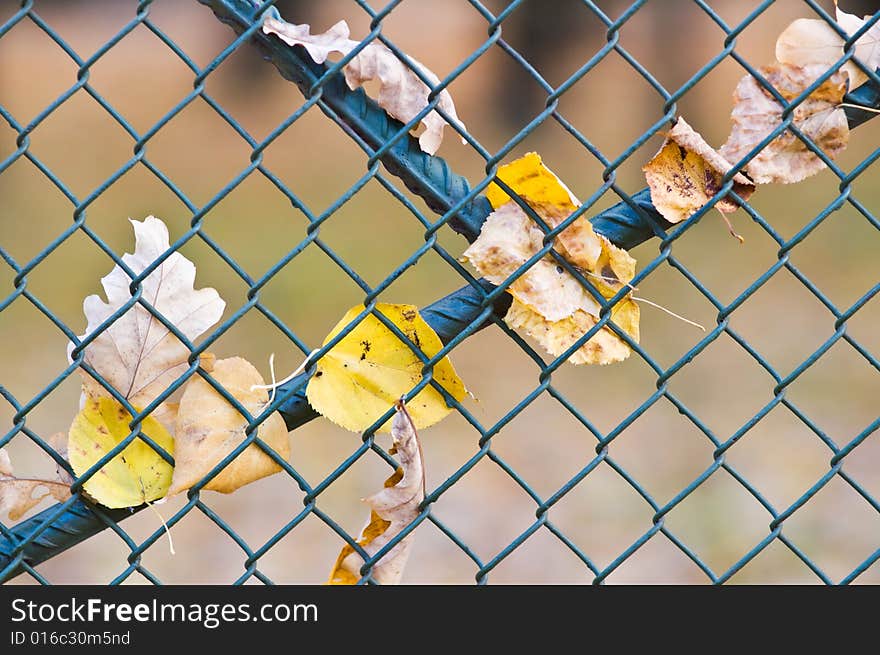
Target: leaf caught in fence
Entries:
(686, 173)
(137, 354)
(401, 93)
(208, 428)
(553, 202)
(787, 159)
(136, 475)
(370, 368)
(809, 41)
(391, 511)
(18, 495)
(605, 347)
(550, 304)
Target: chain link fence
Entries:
(391, 157)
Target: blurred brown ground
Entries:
(612, 106)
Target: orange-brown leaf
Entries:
(686, 173)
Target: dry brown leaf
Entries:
(137, 354)
(401, 93)
(391, 510)
(787, 159)
(208, 428)
(553, 202)
(686, 173)
(18, 495)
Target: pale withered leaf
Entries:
(391, 510)
(550, 304)
(401, 93)
(18, 495)
(756, 114)
(809, 41)
(137, 354)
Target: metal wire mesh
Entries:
(388, 148)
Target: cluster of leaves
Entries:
(549, 303)
(138, 346)
(687, 173)
(138, 355)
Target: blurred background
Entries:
(612, 106)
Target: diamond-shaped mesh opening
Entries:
(837, 529)
(743, 453)
(50, 72)
(719, 521)
(602, 498)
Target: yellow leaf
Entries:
(686, 173)
(363, 375)
(553, 202)
(136, 475)
(756, 114)
(533, 181)
(208, 428)
(391, 510)
(18, 495)
(550, 304)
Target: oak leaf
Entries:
(208, 428)
(137, 354)
(391, 510)
(401, 93)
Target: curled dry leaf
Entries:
(136, 475)
(686, 173)
(137, 354)
(550, 305)
(370, 368)
(756, 114)
(208, 428)
(391, 511)
(18, 495)
(401, 93)
(809, 41)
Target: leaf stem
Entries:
(862, 107)
(668, 311)
(274, 386)
(164, 525)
